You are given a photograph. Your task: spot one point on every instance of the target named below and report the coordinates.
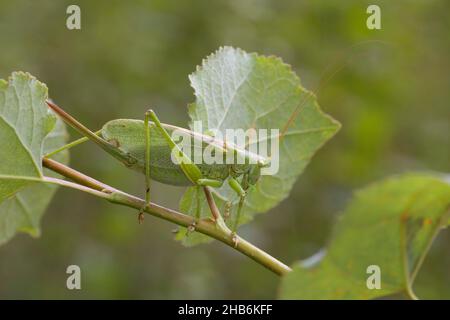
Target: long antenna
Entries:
(339, 65)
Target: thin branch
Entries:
(205, 226)
(73, 185)
(75, 175)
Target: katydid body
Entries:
(128, 137)
(147, 147)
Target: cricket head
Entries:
(264, 162)
(254, 172)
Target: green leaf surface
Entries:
(239, 90)
(390, 224)
(194, 199)
(27, 131)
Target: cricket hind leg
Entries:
(191, 170)
(147, 167)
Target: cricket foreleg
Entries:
(238, 214)
(209, 183)
(237, 187)
(227, 210)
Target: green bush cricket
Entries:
(147, 147)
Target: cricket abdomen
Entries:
(128, 137)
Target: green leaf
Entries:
(390, 224)
(26, 134)
(238, 90)
(194, 199)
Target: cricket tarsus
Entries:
(141, 216)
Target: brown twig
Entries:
(216, 229)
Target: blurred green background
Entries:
(391, 95)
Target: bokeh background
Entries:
(391, 94)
